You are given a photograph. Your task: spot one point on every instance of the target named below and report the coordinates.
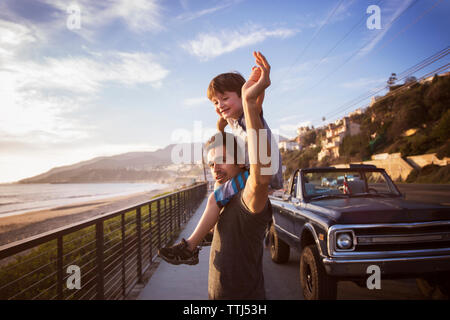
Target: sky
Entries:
(81, 79)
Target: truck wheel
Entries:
(316, 283)
(279, 250)
(434, 288)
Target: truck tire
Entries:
(279, 250)
(434, 288)
(316, 284)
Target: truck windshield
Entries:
(323, 184)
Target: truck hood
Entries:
(378, 210)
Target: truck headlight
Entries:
(344, 241)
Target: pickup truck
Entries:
(357, 222)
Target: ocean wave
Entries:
(8, 203)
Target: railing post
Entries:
(170, 214)
(122, 227)
(189, 203)
(139, 244)
(60, 267)
(178, 209)
(100, 261)
(150, 231)
(159, 222)
(184, 207)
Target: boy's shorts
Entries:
(226, 191)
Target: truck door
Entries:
(285, 216)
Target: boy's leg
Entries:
(186, 251)
(218, 199)
(207, 222)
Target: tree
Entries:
(410, 79)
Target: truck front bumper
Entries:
(392, 267)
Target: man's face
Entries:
(228, 105)
(220, 169)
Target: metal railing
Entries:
(110, 252)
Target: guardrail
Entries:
(108, 254)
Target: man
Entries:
(235, 267)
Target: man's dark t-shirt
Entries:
(235, 263)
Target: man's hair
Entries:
(227, 140)
(230, 81)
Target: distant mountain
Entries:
(156, 166)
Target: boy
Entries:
(225, 93)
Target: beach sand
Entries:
(22, 226)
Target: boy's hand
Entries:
(221, 124)
(254, 76)
(258, 81)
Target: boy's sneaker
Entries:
(179, 254)
(207, 240)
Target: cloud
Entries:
(290, 129)
(52, 16)
(291, 117)
(138, 15)
(14, 36)
(195, 102)
(364, 82)
(40, 96)
(210, 45)
(189, 16)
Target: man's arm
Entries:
(256, 190)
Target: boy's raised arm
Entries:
(256, 193)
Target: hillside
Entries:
(413, 119)
(155, 166)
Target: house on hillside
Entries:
(288, 145)
(335, 134)
(373, 100)
(301, 134)
(430, 78)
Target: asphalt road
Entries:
(282, 281)
(432, 193)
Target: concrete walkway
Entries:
(181, 282)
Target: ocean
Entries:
(20, 198)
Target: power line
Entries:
(411, 24)
(435, 57)
(333, 12)
(358, 100)
(360, 49)
(424, 63)
(341, 40)
(401, 89)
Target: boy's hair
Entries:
(230, 81)
(227, 140)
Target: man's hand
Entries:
(259, 80)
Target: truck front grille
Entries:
(426, 237)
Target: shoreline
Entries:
(18, 227)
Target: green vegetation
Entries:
(430, 174)
(299, 159)
(423, 107)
